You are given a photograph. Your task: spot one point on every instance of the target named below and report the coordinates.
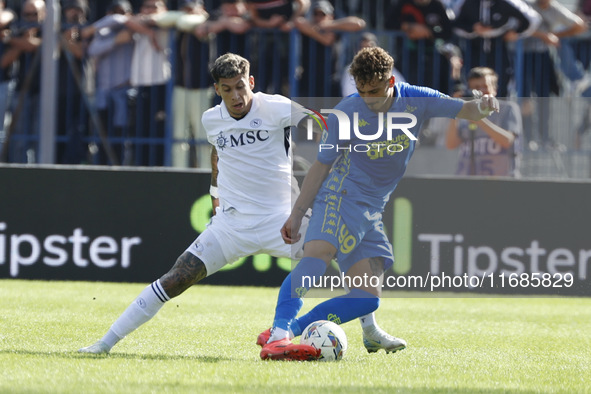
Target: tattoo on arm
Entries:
(214, 166)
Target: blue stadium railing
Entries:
(284, 63)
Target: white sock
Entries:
(142, 309)
(278, 334)
(368, 320)
(110, 338)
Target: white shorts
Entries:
(230, 236)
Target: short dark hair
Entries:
(229, 66)
(370, 64)
(483, 72)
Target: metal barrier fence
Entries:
(160, 132)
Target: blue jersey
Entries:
(368, 169)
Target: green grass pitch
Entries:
(204, 341)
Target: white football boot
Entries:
(99, 347)
(374, 339)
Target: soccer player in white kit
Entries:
(252, 186)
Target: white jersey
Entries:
(255, 162)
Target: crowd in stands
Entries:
(133, 75)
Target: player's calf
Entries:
(186, 271)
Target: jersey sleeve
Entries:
(564, 16)
(206, 118)
(433, 102)
(445, 106)
(298, 112)
(327, 152)
(209, 120)
(278, 109)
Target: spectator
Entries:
(489, 25)
(582, 50)
(278, 15)
(372, 12)
(584, 9)
(74, 18)
(430, 57)
(366, 40)
(229, 24)
(23, 47)
(112, 49)
(452, 7)
(320, 49)
(191, 94)
(7, 19)
(488, 147)
(539, 74)
(150, 71)
(578, 53)
(72, 114)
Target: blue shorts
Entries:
(351, 228)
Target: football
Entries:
(328, 337)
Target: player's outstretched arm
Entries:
(312, 182)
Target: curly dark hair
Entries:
(229, 66)
(370, 64)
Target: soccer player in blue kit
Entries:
(348, 187)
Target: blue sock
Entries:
(339, 309)
(289, 301)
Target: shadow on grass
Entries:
(130, 356)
